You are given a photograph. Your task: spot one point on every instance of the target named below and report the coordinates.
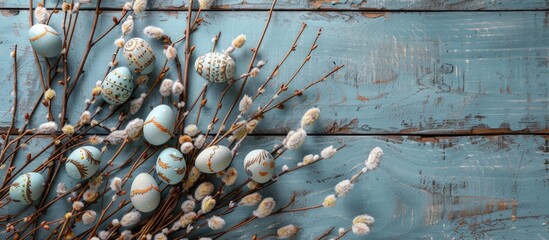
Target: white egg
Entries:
(27, 188)
(171, 166)
(45, 41)
(259, 165)
(145, 193)
(139, 56)
(159, 125)
(215, 67)
(83, 162)
(214, 159)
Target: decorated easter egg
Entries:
(139, 56)
(45, 41)
(117, 87)
(259, 165)
(214, 159)
(145, 193)
(215, 67)
(27, 188)
(83, 162)
(159, 125)
(171, 166)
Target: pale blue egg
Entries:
(139, 56)
(45, 41)
(171, 166)
(117, 87)
(215, 67)
(214, 159)
(145, 193)
(27, 188)
(259, 165)
(159, 125)
(83, 162)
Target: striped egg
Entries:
(159, 125)
(214, 159)
(117, 87)
(139, 56)
(83, 162)
(215, 67)
(259, 165)
(171, 166)
(45, 41)
(27, 188)
(145, 193)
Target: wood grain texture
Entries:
(400, 5)
(440, 188)
(439, 73)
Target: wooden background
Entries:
(456, 93)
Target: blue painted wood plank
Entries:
(324, 4)
(440, 188)
(404, 72)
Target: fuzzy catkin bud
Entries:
(177, 88)
(130, 219)
(187, 219)
(364, 218)
(374, 158)
(127, 26)
(310, 117)
(170, 52)
(188, 206)
(245, 103)
(139, 6)
(360, 229)
(89, 217)
(85, 117)
(208, 203)
(41, 14)
(203, 190)
(216, 223)
(47, 128)
(239, 41)
(287, 231)
(134, 129)
(191, 130)
(119, 42)
(265, 208)
(153, 32)
(116, 184)
(328, 152)
(186, 147)
(229, 177)
(250, 199)
(205, 4)
(166, 88)
(343, 188)
(49, 94)
(329, 201)
(68, 129)
(294, 140)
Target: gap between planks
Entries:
(321, 9)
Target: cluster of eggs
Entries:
(159, 126)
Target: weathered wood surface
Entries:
(416, 5)
(439, 188)
(439, 73)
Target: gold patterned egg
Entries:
(215, 67)
(139, 56)
(117, 87)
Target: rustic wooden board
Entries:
(466, 72)
(454, 5)
(444, 188)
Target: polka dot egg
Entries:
(45, 40)
(159, 125)
(215, 67)
(171, 166)
(214, 159)
(139, 56)
(27, 188)
(83, 162)
(259, 165)
(145, 193)
(117, 87)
